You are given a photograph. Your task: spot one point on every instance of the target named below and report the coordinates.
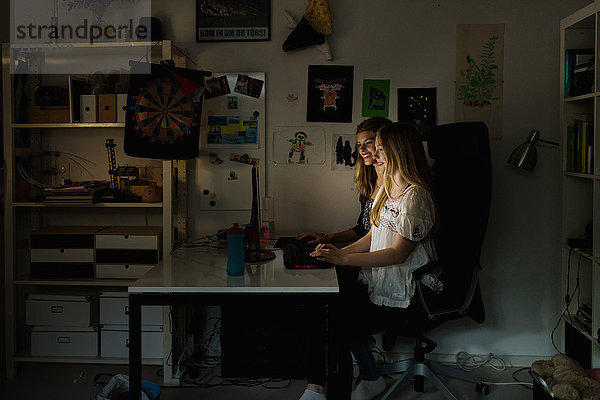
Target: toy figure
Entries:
(298, 145)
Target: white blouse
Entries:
(412, 216)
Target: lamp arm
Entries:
(548, 142)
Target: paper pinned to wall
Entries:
(343, 152)
(299, 145)
(479, 75)
(234, 110)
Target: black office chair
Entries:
(463, 183)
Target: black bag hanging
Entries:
(163, 111)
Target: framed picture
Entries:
(329, 96)
(418, 106)
(229, 21)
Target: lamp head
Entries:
(525, 155)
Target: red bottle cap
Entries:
(235, 230)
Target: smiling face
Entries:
(365, 141)
(379, 155)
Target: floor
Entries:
(76, 381)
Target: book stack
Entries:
(580, 144)
(79, 192)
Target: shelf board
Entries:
(87, 44)
(86, 360)
(587, 96)
(579, 328)
(26, 204)
(70, 125)
(583, 253)
(579, 175)
(73, 282)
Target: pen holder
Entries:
(235, 251)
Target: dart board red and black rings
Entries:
(164, 111)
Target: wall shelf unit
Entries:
(579, 121)
(24, 213)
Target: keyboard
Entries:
(296, 254)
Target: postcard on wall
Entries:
(343, 152)
(233, 118)
(479, 75)
(227, 21)
(299, 145)
(329, 95)
(376, 98)
(419, 107)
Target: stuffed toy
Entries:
(312, 29)
(567, 379)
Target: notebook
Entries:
(296, 254)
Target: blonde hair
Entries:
(365, 177)
(404, 154)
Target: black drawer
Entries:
(61, 270)
(126, 256)
(62, 241)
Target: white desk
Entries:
(198, 276)
(200, 270)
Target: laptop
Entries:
(296, 254)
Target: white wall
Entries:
(412, 42)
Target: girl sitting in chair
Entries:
(403, 215)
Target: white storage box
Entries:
(114, 341)
(114, 310)
(70, 309)
(49, 341)
(126, 241)
(121, 107)
(121, 271)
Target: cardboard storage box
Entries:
(107, 108)
(51, 341)
(71, 309)
(114, 310)
(114, 341)
(48, 114)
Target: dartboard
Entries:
(164, 111)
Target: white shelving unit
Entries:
(25, 215)
(580, 34)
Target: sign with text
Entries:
(224, 21)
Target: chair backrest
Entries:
(463, 186)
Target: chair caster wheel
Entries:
(482, 388)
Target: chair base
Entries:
(426, 369)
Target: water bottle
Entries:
(235, 251)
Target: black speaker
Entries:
(153, 28)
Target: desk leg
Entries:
(339, 364)
(135, 347)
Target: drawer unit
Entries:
(114, 341)
(121, 271)
(114, 310)
(49, 341)
(63, 252)
(127, 252)
(72, 309)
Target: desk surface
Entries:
(203, 270)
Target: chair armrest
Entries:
(427, 268)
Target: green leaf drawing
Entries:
(480, 76)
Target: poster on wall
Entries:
(298, 145)
(418, 106)
(233, 20)
(479, 75)
(343, 152)
(329, 94)
(376, 98)
(234, 110)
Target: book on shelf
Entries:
(579, 147)
(78, 192)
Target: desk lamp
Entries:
(525, 155)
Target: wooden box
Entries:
(48, 114)
(107, 108)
